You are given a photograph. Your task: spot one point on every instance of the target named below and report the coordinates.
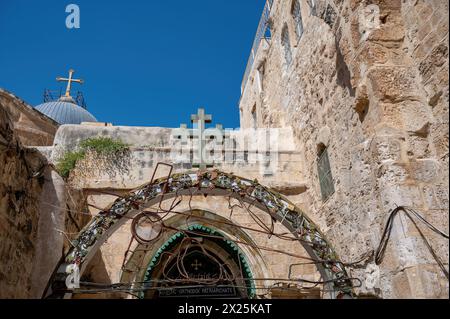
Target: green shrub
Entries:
(67, 163)
(101, 145)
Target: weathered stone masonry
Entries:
(365, 80)
(31, 127)
(34, 210)
(369, 81)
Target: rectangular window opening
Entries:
(297, 15)
(254, 117)
(325, 176)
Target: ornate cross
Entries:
(202, 134)
(69, 81)
(196, 265)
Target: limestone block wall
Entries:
(32, 216)
(98, 176)
(149, 146)
(32, 127)
(264, 263)
(368, 80)
(19, 211)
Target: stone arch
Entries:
(214, 183)
(223, 248)
(206, 218)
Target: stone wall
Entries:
(151, 145)
(368, 81)
(31, 127)
(264, 263)
(19, 210)
(32, 215)
(100, 176)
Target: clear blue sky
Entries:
(145, 63)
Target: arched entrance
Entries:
(200, 262)
(203, 183)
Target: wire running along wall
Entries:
(250, 195)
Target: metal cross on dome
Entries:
(69, 81)
(202, 134)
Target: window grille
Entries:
(254, 117)
(325, 176)
(312, 7)
(263, 32)
(297, 14)
(286, 45)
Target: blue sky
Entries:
(145, 63)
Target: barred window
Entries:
(325, 176)
(297, 15)
(312, 7)
(285, 42)
(254, 117)
(260, 76)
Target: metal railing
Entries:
(263, 32)
(53, 96)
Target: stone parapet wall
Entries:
(31, 127)
(150, 146)
(136, 168)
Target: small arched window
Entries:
(297, 15)
(324, 170)
(286, 43)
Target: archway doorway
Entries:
(203, 183)
(199, 263)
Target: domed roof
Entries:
(65, 112)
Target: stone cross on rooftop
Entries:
(202, 134)
(201, 119)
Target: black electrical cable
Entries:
(381, 250)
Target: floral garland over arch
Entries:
(214, 183)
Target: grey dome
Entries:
(65, 112)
